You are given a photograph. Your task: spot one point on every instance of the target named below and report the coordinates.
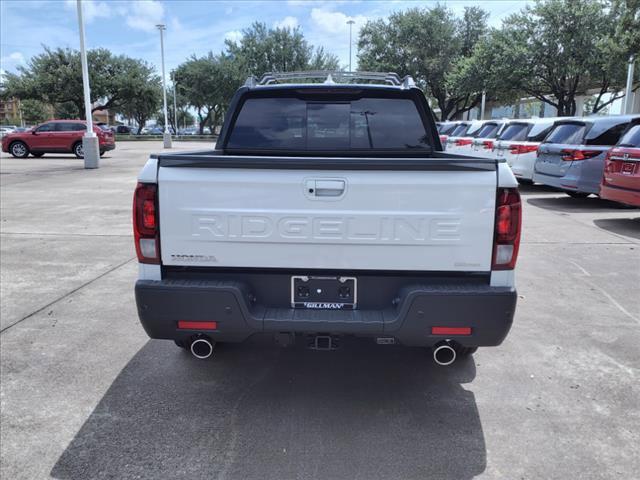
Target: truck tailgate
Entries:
(429, 220)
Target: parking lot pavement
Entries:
(85, 394)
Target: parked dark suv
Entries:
(55, 136)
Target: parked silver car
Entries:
(571, 158)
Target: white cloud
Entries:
(287, 22)
(91, 9)
(336, 22)
(234, 35)
(13, 58)
(145, 15)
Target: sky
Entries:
(193, 27)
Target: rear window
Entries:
(609, 137)
(539, 134)
(489, 130)
(459, 131)
(299, 124)
(567, 133)
(515, 132)
(631, 138)
(447, 129)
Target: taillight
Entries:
(507, 229)
(461, 142)
(517, 148)
(145, 223)
(571, 155)
(487, 144)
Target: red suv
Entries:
(55, 136)
(621, 179)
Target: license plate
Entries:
(628, 168)
(324, 293)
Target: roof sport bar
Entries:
(331, 77)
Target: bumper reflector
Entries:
(450, 330)
(189, 325)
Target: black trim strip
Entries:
(322, 271)
(453, 163)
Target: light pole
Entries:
(90, 147)
(166, 137)
(350, 22)
(628, 101)
(175, 105)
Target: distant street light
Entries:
(350, 23)
(90, 147)
(175, 104)
(166, 137)
(628, 103)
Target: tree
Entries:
(431, 45)
(54, 77)
(619, 40)
(197, 83)
(558, 49)
(262, 49)
(144, 102)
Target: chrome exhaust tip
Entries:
(202, 348)
(444, 354)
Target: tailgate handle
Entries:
(329, 188)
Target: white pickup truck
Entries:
(327, 210)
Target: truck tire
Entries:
(19, 149)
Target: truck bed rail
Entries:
(438, 161)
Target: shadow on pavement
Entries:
(565, 203)
(261, 412)
(526, 188)
(622, 226)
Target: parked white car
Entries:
(459, 138)
(6, 129)
(444, 130)
(476, 141)
(518, 145)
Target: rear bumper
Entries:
(583, 176)
(487, 310)
(107, 146)
(522, 168)
(621, 195)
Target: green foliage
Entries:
(144, 102)
(262, 49)
(185, 118)
(33, 111)
(557, 49)
(433, 46)
(55, 78)
(207, 84)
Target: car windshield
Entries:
(490, 130)
(631, 138)
(514, 132)
(297, 124)
(567, 133)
